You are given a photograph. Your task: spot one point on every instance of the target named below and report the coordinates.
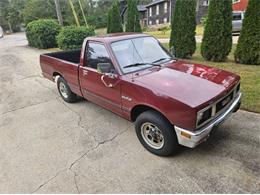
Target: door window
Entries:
(96, 53)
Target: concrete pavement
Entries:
(49, 146)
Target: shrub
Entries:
(183, 28)
(248, 47)
(114, 19)
(133, 22)
(203, 20)
(72, 37)
(164, 29)
(42, 33)
(217, 39)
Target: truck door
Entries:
(91, 84)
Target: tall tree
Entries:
(115, 24)
(133, 21)
(183, 28)
(109, 15)
(248, 47)
(11, 15)
(58, 12)
(38, 9)
(217, 39)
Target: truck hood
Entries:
(191, 84)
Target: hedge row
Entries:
(46, 33)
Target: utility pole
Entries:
(80, 5)
(58, 12)
(74, 13)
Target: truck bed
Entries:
(70, 56)
(65, 63)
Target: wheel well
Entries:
(54, 75)
(137, 110)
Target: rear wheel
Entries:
(156, 134)
(65, 91)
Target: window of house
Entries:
(165, 7)
(235, 1)
(157, 9)
(150, 11)
(157, 21)
(206, 3)
(150, 22)
(165, 20)
(96, 53)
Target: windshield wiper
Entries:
(141, 64)
(161, 59)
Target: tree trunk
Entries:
(10, 27)
(59, 16)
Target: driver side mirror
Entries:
(104, 68)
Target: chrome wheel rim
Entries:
(63, 90)
(152, 135)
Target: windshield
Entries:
(143, 51)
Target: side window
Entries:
(96, 53)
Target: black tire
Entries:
(70, 97)
(170, 145)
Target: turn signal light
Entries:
(186, 135)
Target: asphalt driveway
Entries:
(49, 146)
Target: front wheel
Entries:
(156, 134)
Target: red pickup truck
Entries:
(172, 102)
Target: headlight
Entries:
(204, 115)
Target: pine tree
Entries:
(183, 28)
(109, 20)
(248, 47)
(114, 19)
(133, 21)
(217, 39)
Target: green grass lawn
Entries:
(250, 78)
(156, 34)
(161, 35)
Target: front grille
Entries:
(221, 104)
(212, 111)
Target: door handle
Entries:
(85, 72)
(104, 82)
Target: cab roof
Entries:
(116, 37)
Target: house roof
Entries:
(141, 8)
(155, 2)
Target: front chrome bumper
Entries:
(193, 138)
